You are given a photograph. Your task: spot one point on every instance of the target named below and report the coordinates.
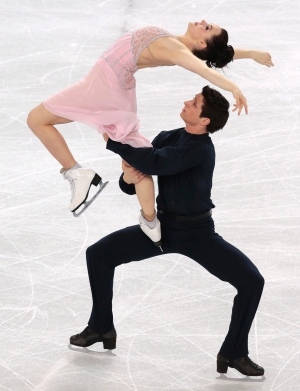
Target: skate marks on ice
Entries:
(44, 291)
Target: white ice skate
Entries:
(81, 180)
(153, 233)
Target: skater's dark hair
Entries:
(215, 107)
(217, 53)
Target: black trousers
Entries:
(196, 240)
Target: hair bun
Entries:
(221, 58)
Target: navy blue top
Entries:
(184, 164)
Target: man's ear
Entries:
(204, 121)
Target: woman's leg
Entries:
(146, 196)
(42, 122)
(149, 223)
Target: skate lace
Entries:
(250, 362)
(85, 332)
(73, 189)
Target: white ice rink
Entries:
(170, 314)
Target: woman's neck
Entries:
(186, 41)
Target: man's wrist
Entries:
(125, 187)
(108, 144)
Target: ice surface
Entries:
(170, 314)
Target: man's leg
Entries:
(229, 264)
(123, 246)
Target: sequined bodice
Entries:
(123, 55)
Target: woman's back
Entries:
(132, 52)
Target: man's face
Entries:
(192, 110)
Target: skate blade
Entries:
(88, 350)
(86, 204)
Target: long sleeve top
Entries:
(184, 164)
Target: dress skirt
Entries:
(99, 101)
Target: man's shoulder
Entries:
(199, 145)
(168, 134)
(198, 139)
(176, 130)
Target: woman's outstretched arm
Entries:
(261, 57)
(185, 58)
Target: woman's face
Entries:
(203, 31)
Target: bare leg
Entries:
(146, 196)
(149, 223)
(41, 122)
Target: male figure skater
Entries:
(184, 160)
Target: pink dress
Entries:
(106, 98)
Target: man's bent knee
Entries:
(95, 253)
(89, 254)
(254, 283)
(260, 282)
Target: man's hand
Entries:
(131, 175)
(105, 136)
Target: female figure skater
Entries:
(106, 99)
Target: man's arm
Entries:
(127, 188)
(153, 161)
(129, 178)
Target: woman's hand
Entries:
(262, 58)
(131, 175)
(241, 101)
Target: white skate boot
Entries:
(81, 179)
(153, 233)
